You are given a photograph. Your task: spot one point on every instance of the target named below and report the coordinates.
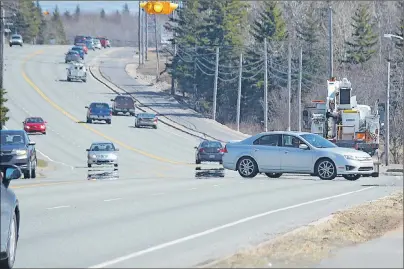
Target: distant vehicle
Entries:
(123, 104)
(97, 43)
(10, 216)
(80, 50)
(16, 40)
(99, 112)
(72, 56)
(104, 41)
(275, 153)
(34, 125)
(17, 149)
(89, 45)
(102, 153)
(77, 71)
(79, 39)
(89, 38)
(83, 46)
(146, 119)
(107, 43)
(209, 151)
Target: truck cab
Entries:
(123, 104)
(77, 71)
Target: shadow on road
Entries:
(201, 173)
(102, 174)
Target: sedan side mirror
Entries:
(303, 146)
(112, 100)
(31, 143)
(87, 149)
(12, 173)
(195, 147)
(86, 107)
(45, 122)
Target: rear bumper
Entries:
(210, 157)
(152, 124)
(124, 110)
(98, 117)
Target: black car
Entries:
(72, 56)
(209, 151)
(17, 149)
(10, 216)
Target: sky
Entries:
(93, 6)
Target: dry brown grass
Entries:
(149, 68)
(247, 127)
(308, 245)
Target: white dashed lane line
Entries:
(58, 207)
(113, 199)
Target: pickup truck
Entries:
(123, 104)
(99, 112)
(359, 145)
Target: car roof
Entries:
(285, 132)
(12, 131)
(16, 35)
(77, 47)
(102, 142)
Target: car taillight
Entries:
(356, 146)
(220, 150)
(110, 112)
(201, 150)
(225, 149)
(155, 119)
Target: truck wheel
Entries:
(108, 121)
(26, 174)
(33, 173)
(84, 80)
(68, 79)
(89, 120)
(89, 165)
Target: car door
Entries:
(294, 159)
(6, 212)
(266, 152)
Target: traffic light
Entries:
(46, 12)
(157, 7)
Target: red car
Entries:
(34, 125)
(104, 42)
(85, 49)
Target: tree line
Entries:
(240, 27)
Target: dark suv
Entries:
(17, 149)
(123, 104)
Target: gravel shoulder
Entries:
(309, 245)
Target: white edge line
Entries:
(57, 207)
(46, 156)
(218, 228)
(113, 199)
(160, 193)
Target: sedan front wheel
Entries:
(325, 169)
(247, 167)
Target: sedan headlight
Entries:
(93, 156)
(20, 152)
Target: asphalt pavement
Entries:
(158, 209)
(113, 68)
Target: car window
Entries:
(211, 144)
(12, 139)
(146, 115)
(102, 147)
(123, 100)
(318, 141)
(268, 140)
(99, 105)
(291, 141)
(34, 120)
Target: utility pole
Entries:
(289, 84)
(300, 88)
(157, 50)
(330, 35)
(387, 142)
(146, 35)
(2, 14)
(140, 35)
(215, 83)
(240, 75)
(195, 67)
(265, 85)
(174, 55)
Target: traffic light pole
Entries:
(139, 35)
(157, 50)
(146, 35)
(240, 74)
(265, 85)
(1, 44)
(215, 83)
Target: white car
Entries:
(77, 71)
(275, 153)
(97, 44)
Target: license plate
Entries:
(211, 156)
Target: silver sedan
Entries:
(102, 153)
(275, 153)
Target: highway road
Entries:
(113, 68)
(157, 213)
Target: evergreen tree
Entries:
(77, 13)
(309, 32)
(28, 20)
(269, 23)
(3, 109)
(125, 10)
(117, 18)
(102, 14)
(58, 28)
(68, 16)
(400, 30)
(363, 44)
(42, 35)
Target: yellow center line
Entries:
(45, 184)
(67, 114)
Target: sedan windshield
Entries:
(318, 141)
(102, 147)
(12, 139)
(34, 120)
